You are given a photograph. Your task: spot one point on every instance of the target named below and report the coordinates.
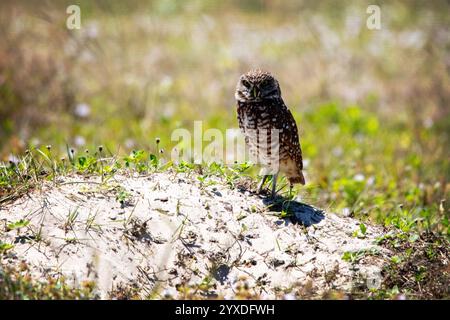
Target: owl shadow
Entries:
(294, 211)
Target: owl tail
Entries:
(297, 179)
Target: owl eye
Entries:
(245, 83)
(265, 83)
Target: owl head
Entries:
(256, 86)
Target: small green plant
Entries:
(355, 256)
(17, 224)
(396, 259)
(142, 161)
(90, 222)
(19, 284)
(123, 197)
(361, 231)
(71, 218)
(4, 247)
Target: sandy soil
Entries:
(167, 232)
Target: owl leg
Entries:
(274, 184)
(261, 184)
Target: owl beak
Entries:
(255, 92)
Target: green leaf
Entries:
(5, 247)
(347, 256)
(413, 237)
(18, 224)
(154, 162)
(82, 161)
(363, 228)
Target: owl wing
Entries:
(241, 116)
(291, 136)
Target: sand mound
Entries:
(168, 233)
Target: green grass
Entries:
(18, 284)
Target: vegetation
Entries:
(372, 106)
(19, 284)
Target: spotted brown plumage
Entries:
(269, 128)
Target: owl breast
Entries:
(256, 117)
(257, 122)
(271, 135)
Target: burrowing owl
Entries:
(265, 122)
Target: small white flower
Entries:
(79, 141)
(289, 296)
(229, 296)
(169, 293)
(87, 56)
(359, 177)
(12, 158)
(166, 83)
(82, 110)
(428, 123)
(92, 31)
(346, 212)
(129, 143)
(337, 151)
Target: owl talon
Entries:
(261, 184)
(274, 185)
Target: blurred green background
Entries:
(372, 105)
